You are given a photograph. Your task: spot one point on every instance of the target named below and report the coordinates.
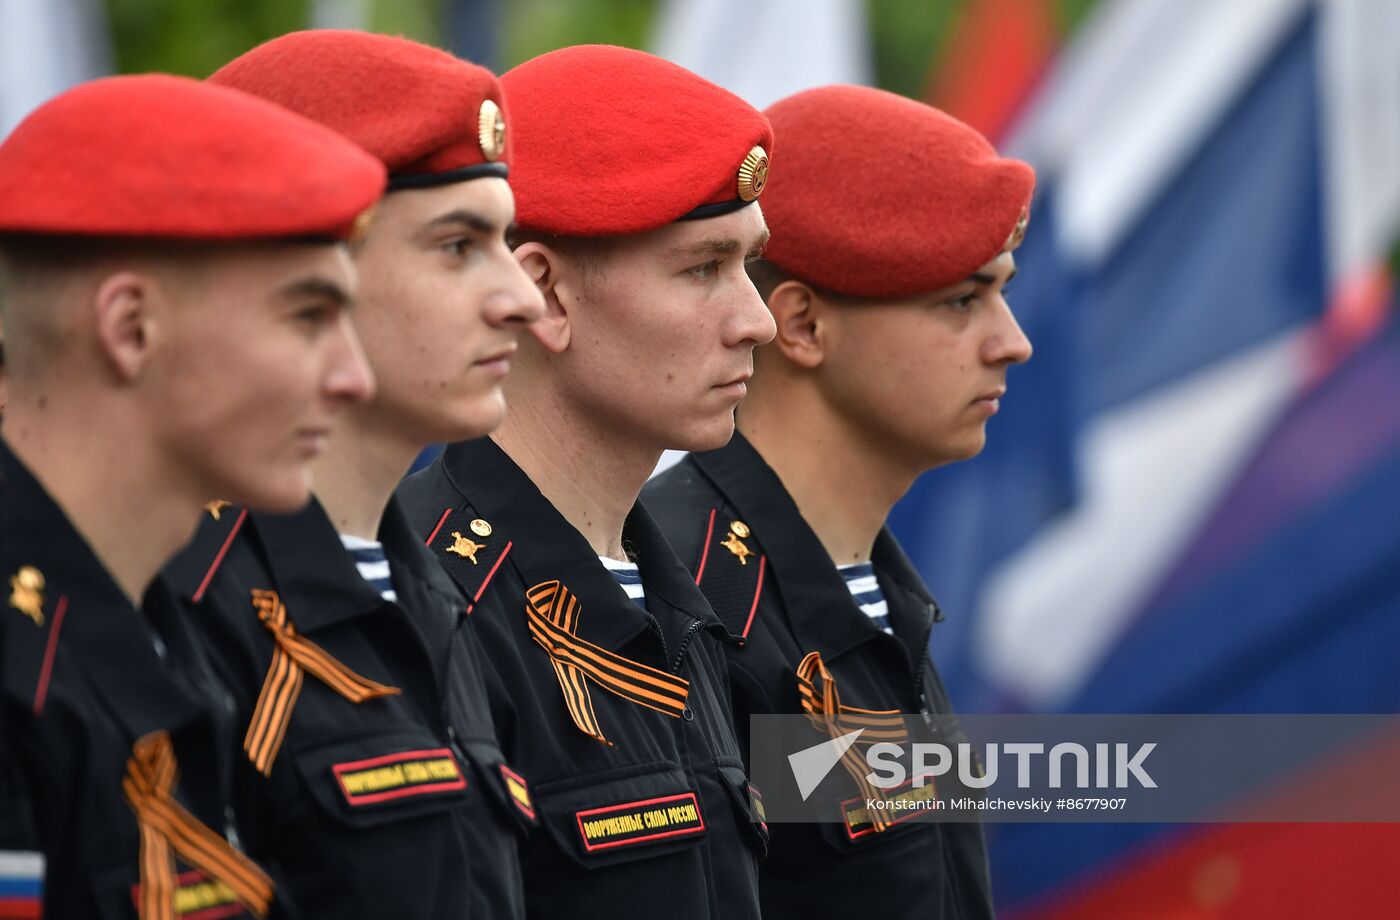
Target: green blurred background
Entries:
(195, 37)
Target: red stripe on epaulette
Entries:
(705, 553)
(757, 592)
(219, 559)
(41, 691)
(490, 575)
(442, 520)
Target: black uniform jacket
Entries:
(784, 600)
(396, 806)
(657, 820)
(85, 675)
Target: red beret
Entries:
(430, 117)
(162, 156)
(612, 141)
(880, 196)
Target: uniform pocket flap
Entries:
(605, 819)
(372, 779)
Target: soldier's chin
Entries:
(964, 448)
(473, 418)
(282, 494)
(710, 434)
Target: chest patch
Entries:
(199, 897)
(896, 805)
(397, 776)
(645, 821)
(519, 791)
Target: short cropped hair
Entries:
(766, 277)
(36, 268)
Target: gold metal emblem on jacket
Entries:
(216, 508)
(737, 547)
(27, 593)
(464, 547)
(753, 174)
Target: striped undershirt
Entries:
(865, 591)
(629, 576)
(372, 563)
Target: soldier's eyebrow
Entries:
(469, 219)
(710, 247)
(718, 246)
(316, 289)
(984, 278)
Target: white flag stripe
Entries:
(21, 864)
(765, 51)
(1359, 54)
(1133, 96)
(1041, 634)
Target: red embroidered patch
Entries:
(396, 776)
(903, 803)
(519, 791)
(198, 897)
(646, 821)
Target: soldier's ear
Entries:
(124, 307)
(797, 313)
(548, 269)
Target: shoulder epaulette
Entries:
(470, 549)
(730, 573)
(34, 612)
(194, 568)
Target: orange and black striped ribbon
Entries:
(553, 613)
(821, 700)
(168, 830)
(293, 655)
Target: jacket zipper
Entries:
(923, 653)
(695, 627)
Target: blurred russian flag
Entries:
(1189, 502)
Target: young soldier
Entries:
(885, 278)
(637, 206)
(370, 774)
(175, 327)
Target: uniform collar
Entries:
(317, 577)
(545, 546)
(104, 640)
(805, 575)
